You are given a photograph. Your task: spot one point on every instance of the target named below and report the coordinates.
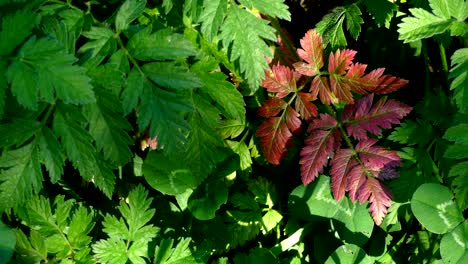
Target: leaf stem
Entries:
(427, 85)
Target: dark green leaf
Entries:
(349, 254)
(133, 90)
(7, 242)
(18, 132)
(331, 28)
(413, 133)
(3, 86)
(207, 198)
(51, 154)
(212, 16)
(15, 29)
(256, 256)
(129, 11)
(102, 42)
(353, 20)
(264, 191)
(171, 75)
(165, 254)
(381, 10)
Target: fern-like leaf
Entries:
(312, 53)
(379, 197)
(280, 80)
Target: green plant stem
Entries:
(443, 58)
(427, 79)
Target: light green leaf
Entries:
(433, 206)
(222, 92)
(160, 45)
(165, 254)
(458, 9)
(48, 70)
(62, 211)
(460, 183)
(39, 215)
(20, 176)
(349, 254)
(129, 11)
(354, 223)
(15, 29)
(381, 10)
(230, 128)
(171, 75)
(51, 154)
(208, 198)
(133, 90)
(331, 28)
(421, 25)
(80, 226)
(111, 251)
(241, 149)
(167, 175)
(246, 34)
(273, 8)
(18, 131)
(270, 220)
(108, 127)
(7, 242)
(459, 74)
(454, 246)
(102, 42)
(211, 17)
(353, 20)
(441, 7)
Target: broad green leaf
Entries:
(273, 8)
(381, 10)
(167, 175)
(18, 131)
(101, 42)
(441, 7)
(7, 242)
(15, 29)
(171, 75)
(353, 20)
(112, 251)
(222, 92)
(459, 74)
(62, 211)
(129, 11)
(212, 16)
(160, 45)
(24, 247)
(230, 128)
(133, 90)
(20, 176)
(208, 198)
(331, 28)
(107, 76)
(109, 128)
(245, 220)
(166, 254)
(413, 133)
(241, 149)
(163, 111)
(58, 30)
(354, 223)
(433, 206)
(245, 34)
(454, 246)
(349, 254)
(52, 155)
(43, 69)
(270, 220)
(421, 25)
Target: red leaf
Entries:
(341, 88)
(274, 134)
(319, 146)
(379, 197)
(379, 161)
(374, 82)
(272, 107)
(281, 80)
(292, 119)
(340, 62)
(312, 53)
(321, 88)
(356, 178)
(304, 106)
(341, 165)
(362, 117)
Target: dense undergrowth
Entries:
(222, 131)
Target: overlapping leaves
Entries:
(357, 170)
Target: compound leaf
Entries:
(312, 52)
(102, 42)
(353, 20)
(363, 117)
(280, 80)
(212, 17)
(421, 25)
(129, 11)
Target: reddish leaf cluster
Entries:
(357, 170)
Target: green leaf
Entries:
(163, 111)
(208, 198)
(264, 191)
(107, 76)
(413, 133)
(458, 134)
(246, 33)
(80, 226)
(51, 154)
(20, 176)
(421, 25)
(241, 149)
(102, 42)
(231, 128)
(381, 10)
(353, 20)
(171, 75)
(460, 183)
(331, 28)
(211, 17)
(453, 246)
(222, 92)
(7, 243)
(349, 254)
(129, 11)
(3, 86)
(112, 251)
(354, 223)
(165, 254)
(274, 8)
(133, 90)
(459, 74)
(15, 29)
(433, 206)
(245, 220)
(18, 131)
(40, 216)
(109, 128)
(43, 69)
(168, 175)
(270, 220)
(160, 45)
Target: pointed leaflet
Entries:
(363, 117)
(20, 176)
(381, 10)
(319, 146)
(246, 33)
(108, 127)
(379, 197)
(15, 28)
(321, 87)
(102, 42)
(48, 70)
(129, 11)
(421, 25)
(212, 17)
(379, 161)
(373, 82)
(341, 165)
(171, 75)
(280, 80)
(303, 105)
(312, 53)
(459, 74)
(338, 64)
(133, 90)
(51, 154)
(273, 8)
